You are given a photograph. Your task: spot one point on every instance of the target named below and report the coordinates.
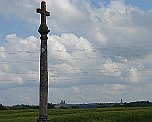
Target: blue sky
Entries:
(142, 4)
(98, 51)
(22, 29)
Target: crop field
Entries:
(132, 114)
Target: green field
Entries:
(142, 114)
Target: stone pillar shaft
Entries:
(43, 30)
(43, 78)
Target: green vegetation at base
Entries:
(131, 114)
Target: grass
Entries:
(140, 114)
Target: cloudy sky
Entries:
(98, 51)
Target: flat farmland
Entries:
(130, 114)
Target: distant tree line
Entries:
(74, 106)
(135, 104)
(23, 106)
(125, 104)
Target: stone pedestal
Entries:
(43, 119)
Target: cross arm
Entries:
(38, 10)
(47, 13)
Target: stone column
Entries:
(43, 30)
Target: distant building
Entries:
(62, 104)
(121, 102)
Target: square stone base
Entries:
(42, 119)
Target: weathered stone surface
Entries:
(43, 30)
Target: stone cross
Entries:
(43, 30)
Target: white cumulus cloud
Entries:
(106, 50)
